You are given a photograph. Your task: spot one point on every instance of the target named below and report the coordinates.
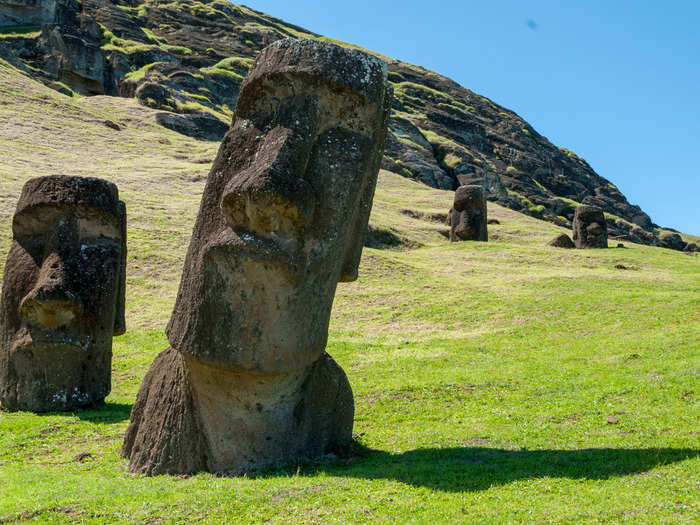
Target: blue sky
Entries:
(618, 82)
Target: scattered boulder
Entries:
(467, 217)
(590, 228)
(493, 221)
(247, 384)
(112, 125)
(61, 306)
(672, 241)
(641, 236)
(691, 247)
(562, 241)
(198, 125)
(620, 245)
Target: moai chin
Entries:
(62, 295)
(589, 227)
(246, 383)
(467, 218)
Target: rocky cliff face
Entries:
(189, 57)
(27, 12)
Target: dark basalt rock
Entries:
(691, 247)
(246, 384)
(201, 125)
(63, 294)
(467, 217)
(590, 228)
(672, 241)
(562, 241)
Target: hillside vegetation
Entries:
(494, 382)
(187, 58)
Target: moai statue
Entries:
(590, 228)
(62, 295)
(246, 383)
(467, 218)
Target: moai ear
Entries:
(356, 235)
(120, 311)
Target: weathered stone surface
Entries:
(672, 241)
(691, 247)
(467, 218)
(640, 236)
(562, 241)
(199, 125)
(590, 228)
(63, 294)
(27, 12)
(247, 384)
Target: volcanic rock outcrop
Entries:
(27, 12)
(562, 241)
(190, 56)
(246, 383)
(467, 217)
(590, 230)
(63, 294)
(672, 241)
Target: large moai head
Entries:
(467, 217)
(63, 294)
(285, 209)
(589, 227)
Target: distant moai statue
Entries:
(246, 383)
(467, 218)
(589, 227)
(62, 295)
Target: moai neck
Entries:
(249, 419)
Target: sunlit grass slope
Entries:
(494, 382)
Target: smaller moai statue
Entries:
(590, 228)
(467, 218)
(62, 295)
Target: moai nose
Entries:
(50, 303)
(264, 207)
(271, 197)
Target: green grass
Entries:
(137, 75)
(497, 382)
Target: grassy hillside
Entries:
(494, 382)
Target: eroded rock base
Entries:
(275, 420)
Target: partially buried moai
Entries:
(62, 295)
(246, 383)
(467, 217)
(589, 227)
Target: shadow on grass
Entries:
(106, 413)
(476, 468)
(103, 413)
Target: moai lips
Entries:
(63, 294)
(467, 217)
(589, 227)
(246, 383)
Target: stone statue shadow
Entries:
(106, 413)
(470, 469)
(102, 413)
